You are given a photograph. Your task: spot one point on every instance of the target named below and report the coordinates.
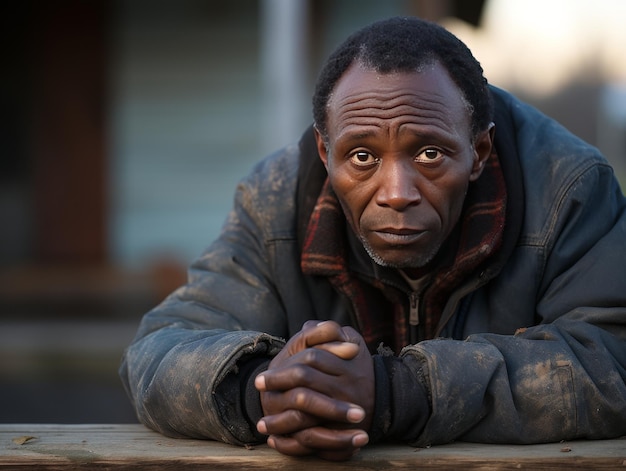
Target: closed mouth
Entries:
(399, 236)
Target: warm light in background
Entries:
(538, 46)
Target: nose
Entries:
(398, 185)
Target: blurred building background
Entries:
(125, 125)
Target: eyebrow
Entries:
(355, 135)
(438, 134)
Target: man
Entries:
(445, 262)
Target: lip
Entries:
(399, 236)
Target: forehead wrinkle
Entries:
(374, 107)
(387, 99)
(354, 122)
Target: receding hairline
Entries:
(429, 63)
(405, 44)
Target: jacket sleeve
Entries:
(564, 376)
(227, 313)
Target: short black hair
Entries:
(407, 44)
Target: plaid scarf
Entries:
(382, 314)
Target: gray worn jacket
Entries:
(530, 349)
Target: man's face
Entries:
(400, 157)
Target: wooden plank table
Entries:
(132, 446)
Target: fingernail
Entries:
(261, 426)
(360, 440)
(259, 382)
(355, 415)
(271, 443)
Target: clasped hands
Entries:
(318, 393)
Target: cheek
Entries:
(445, 193)
(353, 196)
(451, 201)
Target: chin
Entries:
(398, 260)
(401, 264)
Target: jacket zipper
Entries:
(414, 317)
(414, 314)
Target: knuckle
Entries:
(300, 398)
(299, 374)
(306, 438)
(311, 356)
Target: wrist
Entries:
(239, 402)
(381, 419)
(402, 403)
(250, 397)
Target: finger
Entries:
(296, 376)
(310, 324)
(323, 332)
(324, 438)
(308, 368)
(312, 403)
(327, 443)
(288, 446)
(291, 421)
(352, 336)
(327, 388)
(343, 350)
(287, 422)
(310, 336)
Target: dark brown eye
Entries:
(362, 158)
(429, 155)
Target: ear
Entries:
(322, 149)
(482, 151)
